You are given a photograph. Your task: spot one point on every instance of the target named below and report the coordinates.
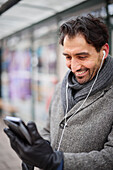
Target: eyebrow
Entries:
(81, 53)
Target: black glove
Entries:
(27, 167)
(39, 154)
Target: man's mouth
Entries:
(81, 73)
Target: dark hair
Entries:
(93, 29)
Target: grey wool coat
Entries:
(87, 143)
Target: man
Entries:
(79, 133)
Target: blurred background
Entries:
(31, 60)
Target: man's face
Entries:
(82, 58)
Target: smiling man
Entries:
(82, 58)
(79, 130)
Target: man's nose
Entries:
(75, 65)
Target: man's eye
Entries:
(82, 57)
(68, 57)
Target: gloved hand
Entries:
(27, 167)
(39, 154)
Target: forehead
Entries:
(77, 44)
(77, 39)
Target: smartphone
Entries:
(18, 127)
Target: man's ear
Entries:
(105, 50)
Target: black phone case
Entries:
(18, 127)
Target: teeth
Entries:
(81, 72)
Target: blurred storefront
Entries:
(29, 71)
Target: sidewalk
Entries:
(8, 158)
